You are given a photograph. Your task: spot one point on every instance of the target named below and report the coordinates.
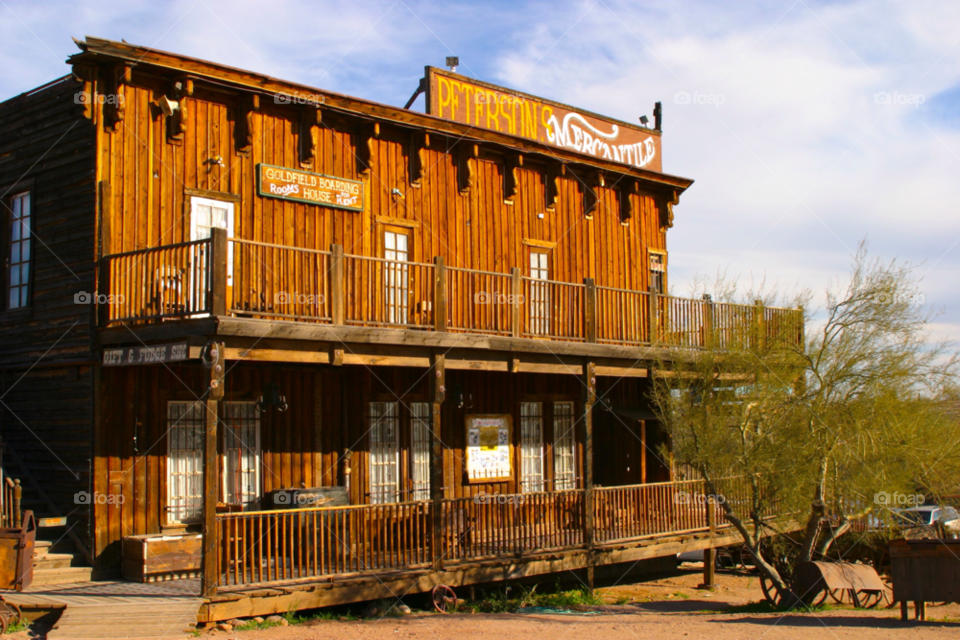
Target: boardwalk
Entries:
(116, 609)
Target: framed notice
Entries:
(488, 456)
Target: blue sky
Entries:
(811, 125)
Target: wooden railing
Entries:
(276, 546)
(245, 278)
(276, 281)
(296, 544)
(10, 514)
(380, 292)
(154, 284)
(490, 525)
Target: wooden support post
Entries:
(710, 555)
(17, 497)
(337, 284)
(590, 309)
(218, 272)
(709, 341)
(761, 326)
(654, 322)
(439, 294)
(213, 358)
(438, 391)
(516, 320)
(589, 399)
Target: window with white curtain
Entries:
(531, 447)
(564, 467)
(384, 429)
(420, 449)
(241, 453)
(185, 436)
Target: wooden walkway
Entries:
(116, 609)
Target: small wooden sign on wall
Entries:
(310, 188)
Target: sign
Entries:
(152, 354)
(488, 448)
(311, 188)
(486, 106)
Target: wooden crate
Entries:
(151, 558)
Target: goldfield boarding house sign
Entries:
(453, 97)
(311, 188)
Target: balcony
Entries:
(223, 276)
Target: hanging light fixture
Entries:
(270, 397)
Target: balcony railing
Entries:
(296, 544)
(221, 276)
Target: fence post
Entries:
(709, 341)
(761, 341)
(218, 272)
(439, 294)
(517, 315)
(336, 275)
(17, 494)
(710, 554)
(654, 323)
(590, 309)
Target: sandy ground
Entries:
(664, 608)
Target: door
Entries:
(564, 460)
(205, 215)
(539, 294)
(185, 438)
(241, 454)
(531, 447)
(384, 428)
(396, 274)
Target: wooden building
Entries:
(287, 339)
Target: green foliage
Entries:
(511, 598)
(765, 607)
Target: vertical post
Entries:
(336, 275)
(517, 316)
(654, 323)
(17, 495)
(210, 575)
(439, 294)
(438, 390)
(218, 272)
(761, 329)
(589, 399)
(710, 555)
(708, 337)
(590, 309)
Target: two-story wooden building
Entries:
(281, 337)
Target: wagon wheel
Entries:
(837, 595)
(4, 623)
(869, 599)
(10, 611)
(443, 598)
(770, 592)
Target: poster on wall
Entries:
(488, 448)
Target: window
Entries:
(539, 294)
(185, 434)
(18, 252)
(658, 272)
(205, 215)
(420, 449)
(241, 454)
(396, 249)
(384, 423)
(564, 468)
(531, 447)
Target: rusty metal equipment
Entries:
(924, 571)
(813, 579)
(16, 553)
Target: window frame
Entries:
(258, 454)
(26, 288)
(539, 324)
(662, 290)
(169, 519)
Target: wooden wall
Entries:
(148, 175)
(48, 148)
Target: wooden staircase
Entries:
(59, 557)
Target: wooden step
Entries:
(65, 575)
(56, 561)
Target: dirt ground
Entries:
(663, 608)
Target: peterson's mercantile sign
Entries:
(311, 188)
(486, 106)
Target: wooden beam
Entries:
(247, 106)
(438, 393)
(218, 273)
(590, 309)
(628, 189)
(310, 117)
(439, 294)
(366, 149)
(555, 172)
(591, 193)
(337, 279)
(417, 156)
(511, 177)
(466, 166)
(215, 366)
(589, 400)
